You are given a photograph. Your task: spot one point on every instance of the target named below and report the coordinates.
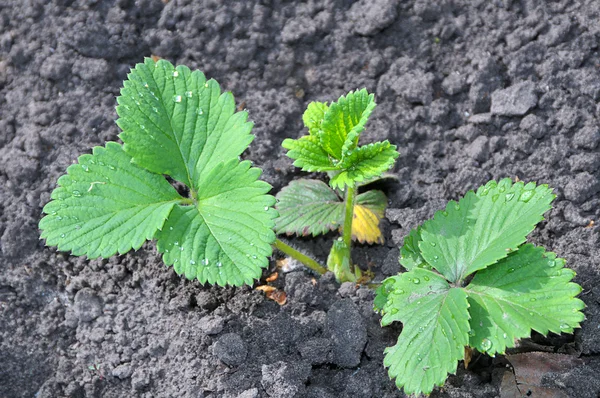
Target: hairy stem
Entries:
(348, 217)
(304, 259)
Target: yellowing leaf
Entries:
(365, 226)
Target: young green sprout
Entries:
(516, 287)
(310, 207)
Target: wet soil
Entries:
(469, 90)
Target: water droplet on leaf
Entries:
(175, 73)
(416, 281)
(486, 344)
(526, 196)
(177, 98)
(189, 94)
(509, 196)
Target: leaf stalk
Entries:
(304, 259)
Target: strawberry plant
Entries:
(310, 207)
(473, 281)
(174, 123)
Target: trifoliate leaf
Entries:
(344, 121)
(313, 117)
(515, 290)
(226, 237)
(310, 207)
(483, 227)
(332, 143)
(435, 329)
(175, 122)
(364, 163)
(106, 205)
(528, 290)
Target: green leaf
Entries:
(435, 329)
(106, 205)
(311, 207)
(527, 290)
(483, 228)
(308, 207)
(410, 254)
(313, 117)
(344, 121)
(516, 288)
(364, 163)
(175, 122)
(308, 154)
(226, 238)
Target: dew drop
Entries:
(192, 262)
(457, 207)
(76, 193)
(266, 208)
(155, 109)
(177, 98)
(435, 258)
(433, 244)
(394, 311)
(504, 335)
(205, 261)
(254, 257)
(426, 278)
(166, 250)
(111, 167)
(495, 197)
(509, 196)
(471, 332)
(486, 344)
(170, 228)
(146, 85)
(206, 85)
(445, 213)
(85, 167)
(532, 299)
(511, 270)
(551, 263)
(189, 94)
(526, 196)
(200, 111)
(62, 235)
(176, 243)
(564, 326)
(484, 192)
(416, 281)
(219, 264)
(175, 73)
(181, 248)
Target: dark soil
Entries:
(469, 90)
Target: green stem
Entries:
(348, 217)
(304, 259)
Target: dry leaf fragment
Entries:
(272, 277)
(273, 293)
(591, 224)
(530, 368)
(468, 356)
(155, 58)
